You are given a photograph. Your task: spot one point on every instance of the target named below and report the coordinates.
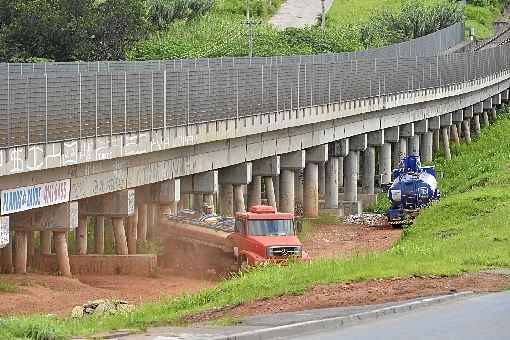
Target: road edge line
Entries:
(341, 321)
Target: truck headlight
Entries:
(396, 195)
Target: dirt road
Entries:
(298, 13)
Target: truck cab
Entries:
(264, 235)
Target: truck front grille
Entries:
(284, 251)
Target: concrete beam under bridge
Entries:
(339, 148)
(375, 138)
(236, 174)
(202, 183)
(392, 135)
(56, 217)
(421, 126)
(293, 160)
(407, 130)
(264, 167)
(116, 204)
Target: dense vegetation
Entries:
(66, 30)
(217, 35)
(464, 232)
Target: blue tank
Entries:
(414, 187)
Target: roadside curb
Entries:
(341, 321)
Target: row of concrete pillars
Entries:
(123, 234)
(340, 180)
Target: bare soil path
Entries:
(299, 13)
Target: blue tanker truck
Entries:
(414, 187)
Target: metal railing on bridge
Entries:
(429, 45)
(41, 108)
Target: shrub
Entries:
(411, 21)
(161, 13)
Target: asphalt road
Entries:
(481, 317)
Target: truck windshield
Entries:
(271, 227)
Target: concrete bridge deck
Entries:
(124, 145)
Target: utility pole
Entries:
(323, 16)
(250, 24)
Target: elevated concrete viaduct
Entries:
(132, 178)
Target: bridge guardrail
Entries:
(41, 108)
(429, 45)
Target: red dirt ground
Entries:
(58, 295)
(349, 240)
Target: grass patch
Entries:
(482, 19)
(6, 287)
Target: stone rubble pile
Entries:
(366, 219)
(102, 307)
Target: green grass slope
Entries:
(468, 230)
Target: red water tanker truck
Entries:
(259, 236)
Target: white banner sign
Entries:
(4, 231)
(35, 196)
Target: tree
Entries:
(122, 23)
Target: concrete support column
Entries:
(485, 121)
(454, 133)
(132, 232)
(414, 145)
(268, 181)
(287, 190)
(493, 114)
(331, 183)
(426, 149)
(311, 190)
(276, 186)
(143, 212)
(435, 141)
(466, 128)
(20, 259)
(402, 147)
(254, 190)
(476, 126)
(209, 200)
(298, 189)
(6, 266)
(341, 172)
(81, 236)
(30, 247)
(227, 200)
(45, 236)
(368, 180)
(351, 176)
(154, 219)
(60, 241)
(239, 206)
(198, 201)
(385, 163)
(395, 154)
(446, 143)
(119, 232)
(99, 235)
(322, 179)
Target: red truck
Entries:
(261, 235)
(264, 235)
